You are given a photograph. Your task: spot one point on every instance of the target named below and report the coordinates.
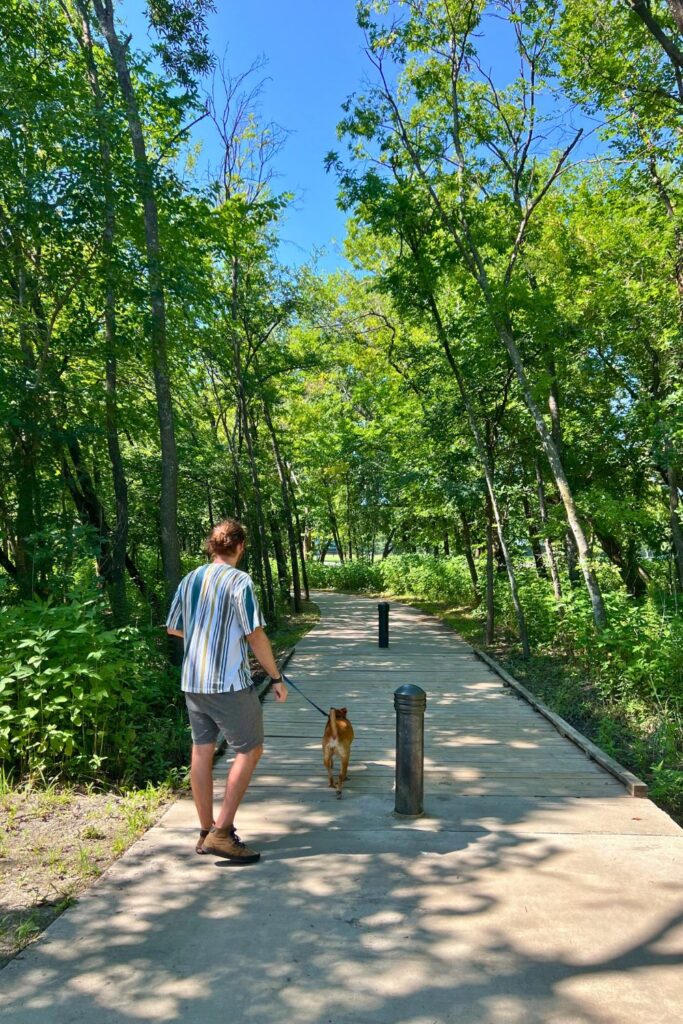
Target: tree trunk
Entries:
(348, 520)
(533, 539)
(119, 539)
(300, 539)
(572, 557)
(490, 608)
(675, 520)
(552, 561)
(243, 412)
(469, 557)
(168, 505)
(289, 518)
(597, 603)
(484, 455)
(333, 525)
(388, 545)
(280, 560)
(634, 578)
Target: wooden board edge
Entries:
(635, 786)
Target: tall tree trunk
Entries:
(168, 505)
(490, 607)
(571, 555)
(485, 457)
(469, 557)
(675, 521)
(289, 517)
(119, 540)
(25, 448)
(468, 248)
(635, 578)
(555, 462)
(348, 520)
(333, 524)
(280, 560)
(243, 411)
(552, 561)
(388, 545)
(300, 538)
(533, 538)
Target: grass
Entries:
(56, 842)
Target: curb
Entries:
(635, 786)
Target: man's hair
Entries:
(225, 538)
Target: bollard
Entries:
(383, 611)
(410, 702)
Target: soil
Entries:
(54, 843)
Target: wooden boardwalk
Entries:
(480, 739)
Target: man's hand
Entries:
(280, 691)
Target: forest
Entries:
(479, 411)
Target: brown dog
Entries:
(337, 740)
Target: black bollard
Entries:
(410, 702)
(383, 611)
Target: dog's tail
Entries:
(333, 723)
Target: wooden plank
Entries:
(633, 784)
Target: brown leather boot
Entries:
(224, 842)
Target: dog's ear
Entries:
(341, 712)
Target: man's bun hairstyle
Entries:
(225, 538)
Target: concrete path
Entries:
(534, 889)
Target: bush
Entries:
(429, 578)
(85, 702)
(354, 576)
(424, 576)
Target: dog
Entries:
(337, 740)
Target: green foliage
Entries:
(428, 577)
(356, 577)
(82, 701)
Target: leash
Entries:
(289, 682)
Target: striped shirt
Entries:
(215, 607)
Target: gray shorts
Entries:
(237, 714)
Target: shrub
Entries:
(355, 576)
(82, 701)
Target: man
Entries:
(216, 610)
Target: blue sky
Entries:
(315, 60)
(314, 51)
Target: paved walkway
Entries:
(533, 890)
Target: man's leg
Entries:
(202, 782)
(236, 785)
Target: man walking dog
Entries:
(216, 610)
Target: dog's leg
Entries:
(327, 761)
(344, 767)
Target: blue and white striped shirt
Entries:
(215, 607)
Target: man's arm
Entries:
(260, 645)
(175, 632)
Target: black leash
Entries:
(289, 682)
